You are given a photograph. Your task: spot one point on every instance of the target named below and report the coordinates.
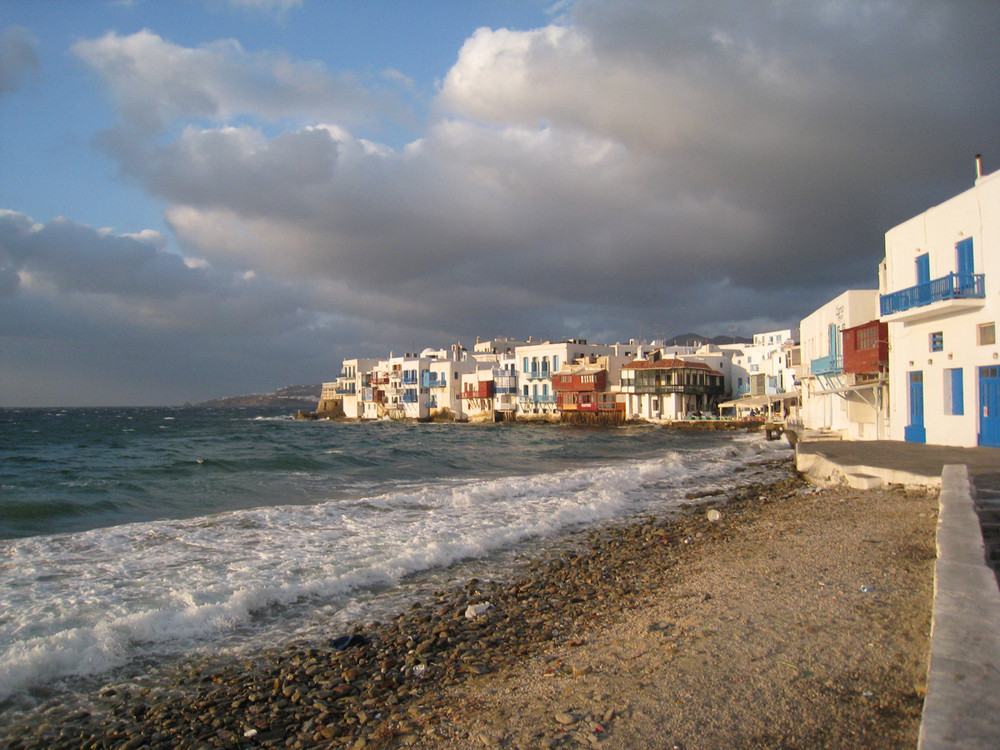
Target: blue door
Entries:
(989, 406)
(923, 279)
(965, 265)
(914, 432)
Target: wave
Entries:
(94, 601)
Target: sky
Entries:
(203, 198)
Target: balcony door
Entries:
(914, 432)
(965, 265)
(923, 289)
(989, 406)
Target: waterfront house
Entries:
(536, 364)
(588, 390)
(939, 290)
(665, 389)
(842, 370)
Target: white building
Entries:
(670, 388)
(838, 391)
(761, 368)
(441, 383)
(350, 384)
(536, 363)
(940, 295)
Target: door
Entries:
(989, 406)
(965, 265)
(914, 432)
(923, 279)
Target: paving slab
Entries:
(962, 706)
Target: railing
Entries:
(410, 378)
(409, 397)
(829, 365)
(543, 398)
(537, 374)
(435, 380)
(659, 389)
(952, 286)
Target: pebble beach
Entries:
(776, 615)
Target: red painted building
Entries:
(866, 348)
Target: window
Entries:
(987, 334)
(937, 341)
(954, 397)
(867, 338)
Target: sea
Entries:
(133, 539)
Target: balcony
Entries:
(537, 374)
(954, 291)
(829, 365)
(410, 377)
(435, 380)
(483, 389)
(543, 398)
(409, 397)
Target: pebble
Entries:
(311, 694)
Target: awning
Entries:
(754, 401)
(852, 388)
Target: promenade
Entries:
(962, 707)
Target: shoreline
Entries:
(405, 680)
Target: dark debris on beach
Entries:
(379, 686)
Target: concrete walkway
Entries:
(962, 706)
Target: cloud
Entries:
(157, 84)
(638, 166)
(18, 57)
(267, 5)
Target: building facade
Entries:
(842, 378)
(668, 389)
(940, 296)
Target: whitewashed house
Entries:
(668, 389)
(761, 368)
(536, 364)
(441, 382)
(842, 370)
(940, 296)
(350, 384)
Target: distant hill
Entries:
(294, 397)
(688, 339)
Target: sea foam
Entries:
(95, 601)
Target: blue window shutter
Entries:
(957, 392)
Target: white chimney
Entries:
(979, 167)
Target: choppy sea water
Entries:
(130, 538)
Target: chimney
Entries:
(979, 167)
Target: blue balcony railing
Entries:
(409, 397)
(435, 380)
(952, 286)
(829, 365)
(543, 398)
(409, 377)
